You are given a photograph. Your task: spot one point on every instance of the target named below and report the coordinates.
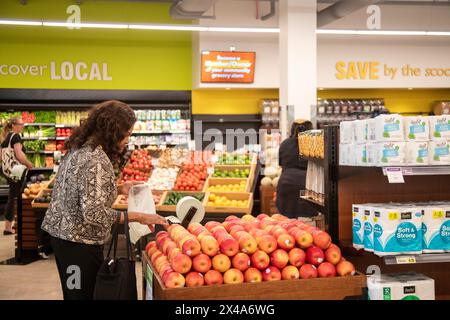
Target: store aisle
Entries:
(38, 280)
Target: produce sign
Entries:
(228, 67)
(244, 250)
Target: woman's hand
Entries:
(148, 219)
(128, 185)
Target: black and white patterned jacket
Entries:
(83, 193)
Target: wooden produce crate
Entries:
(251, 176)
(336, 288)
(231, 196)
(173, 208)
(268, 205)
(227, 181)
(29, 238)
(40, 205)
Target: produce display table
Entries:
(337, 288)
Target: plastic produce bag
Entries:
(140, 200)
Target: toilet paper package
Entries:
(390, 153)
(389, 128)
(439, 152)
(368, 227)
(440, 127)
(358, 226)
(436, 228)
(417, 153)
(417, 128)
(397, 230)
(371, 129)
(360, 131)
(400, 286)
(346, 131)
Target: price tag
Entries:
(395, 175)
(393, 215)
(405, 259)
(438, 214)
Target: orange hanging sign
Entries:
(228, 67)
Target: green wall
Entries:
(136, 59)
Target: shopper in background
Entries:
(11, 137)
(80, 217)
(293, 176)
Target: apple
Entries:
(233, 276)
(279, 258)
(326, 270)
(289, 273)
(252, 275)
(209, 245)
(168, 247)
(333, 254)
(322, 239)
(201, 263)
(155, 256)
(271, 274)
(304, 239)
(194, 279)
(194, 227)
(175, 280)
(345, 268)
(173, 253)
(150, 245)
(166, 274)
(213, 277)
(297, 257)
(279, 217)
(248, 217)
(277, 231)
(229, 246)
(235, 229)
(231, 218)
(248, 244)
(241, 261)
(190, 246)
(211, 224)
(314, 255)
(308, 271)
(260, 260)
(221, 263)
(181, 263)
(267, 243)
(203, 234)
(262, 216)
(286, 241)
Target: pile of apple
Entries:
(245, 250)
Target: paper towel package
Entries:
(361, 154)
(390, 153)
(397, 230)
(358, 226)
(389, 128)
(360, 131)
(436, 227)
(440, 127)
(417, 153)
(439, 152)
(371, 154)
(417, 128)
(368, 227)
(346, 132)
(371, 129)
(401, 286)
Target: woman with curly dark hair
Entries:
(79, 216)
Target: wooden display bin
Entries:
(231, 196)
(40, 205)
(173, 208)
(251, 176)
(337, 288)
(227, 181)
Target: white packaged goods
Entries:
(389, 128)
(360, 131)
(436, 228)
(358, 230)
(371, 129)
(368, 227)
(439, 152)
(440, 127)
(417, 128)
(390, 153)
(361, 154)
(397, 230)
(343, 154)
(371, 154)
(417, 153)
(401, 286)
(346, 132)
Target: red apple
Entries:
(233, 276)
(279, 258)
(314, 255)
(181, 263)
(326, 270)
(194, 279)
(297, 257)
(322, 239)
(221, 263)
(267, 243)
(345, 268)
(286, 241)
(290, 273)
(260, 260)
(308, 271)
(252, 275)
(209, 245)
(229, 246)
(175, 280)
(213, 277)
(241, 261)
(271, 274)
(333, 254)
(201, 263)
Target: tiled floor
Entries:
(38, 280)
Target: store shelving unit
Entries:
(351, 185)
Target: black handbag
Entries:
(116, 279)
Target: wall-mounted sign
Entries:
(228, 67)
